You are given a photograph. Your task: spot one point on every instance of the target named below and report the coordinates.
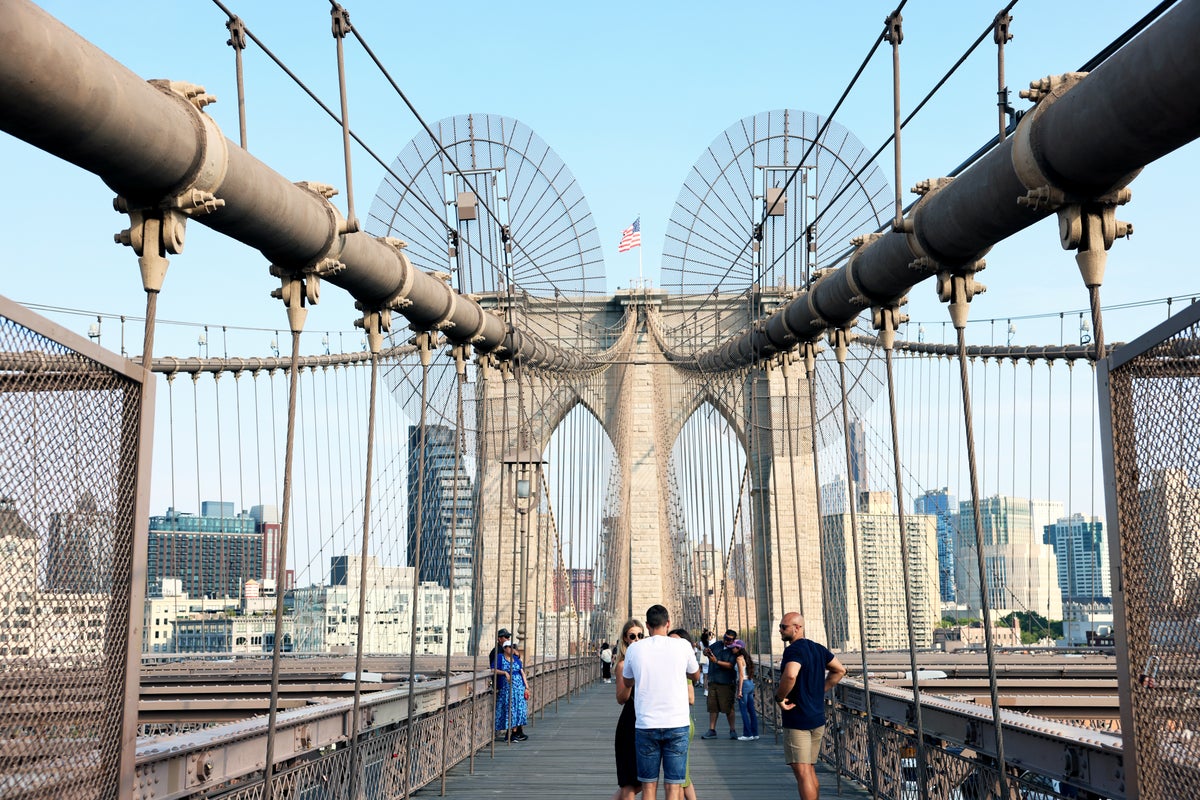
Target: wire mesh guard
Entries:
(67, 502)
(1155, 407)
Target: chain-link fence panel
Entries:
(70, 415)
(1152, 448)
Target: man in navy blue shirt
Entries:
(809, 670)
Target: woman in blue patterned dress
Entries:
(512, 694)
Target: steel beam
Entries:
(1136, 107)
(152, 143)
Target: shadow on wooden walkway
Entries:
(570, 754)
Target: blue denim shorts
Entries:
(665, 746)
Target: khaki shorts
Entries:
(720, 698)
(802, 747)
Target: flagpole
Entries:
(641, 280)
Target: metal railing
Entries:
(312, 746)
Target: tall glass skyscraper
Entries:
(446, 508)
(1081, 547)
(942, 505)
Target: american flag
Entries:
(631, 237)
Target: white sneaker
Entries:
(745, 738)
(706, 692)
(755, 736)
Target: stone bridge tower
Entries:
(642, 394)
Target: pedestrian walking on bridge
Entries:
(808, 671)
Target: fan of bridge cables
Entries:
(776, 197)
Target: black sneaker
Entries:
(712, 734)
(520, 737)
(733, 735)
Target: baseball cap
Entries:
(503, 632)
(739, 644)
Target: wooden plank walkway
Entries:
(570, 754)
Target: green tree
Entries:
(1034, 626)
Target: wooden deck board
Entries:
(570, 754)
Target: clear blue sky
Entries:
(629, 95)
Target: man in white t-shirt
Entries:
(660, 667)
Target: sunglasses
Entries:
(636, 636)
(730, 638)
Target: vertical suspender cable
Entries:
(237, 40)
(773, 485)
(891, 317)
(894, 34)
(341, 26)
(711, 591)
(501, 441)
(1068, 591)
(1001, 36)
(959, 299)
(237, 407)
(841, 345)
(699, 518)
(281, 562)
(329, 452)
(221, 489)
(356, 713)
(792, 433)
(810, 350)
(199, 472)
(538, 490)
(596, 531)
(478, 590)
(572, 517)
(699, 528)
(725, 450)
(1049, 438)
(562, 578)
(424, 347)
(166, 555)
(730, 489)
(460, 374)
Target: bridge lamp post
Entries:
(526, 468)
